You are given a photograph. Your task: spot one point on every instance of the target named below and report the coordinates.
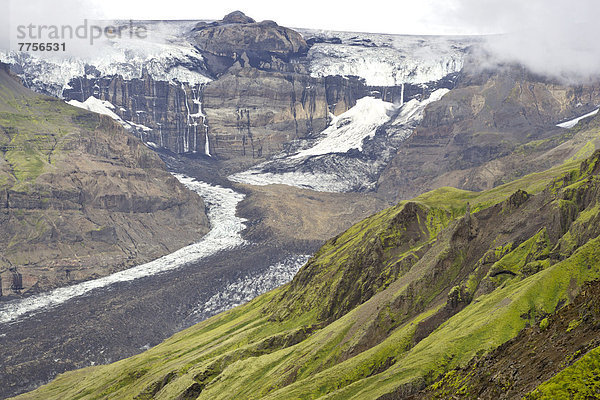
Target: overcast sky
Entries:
(554, 37)
(388, 16)
(385, 16)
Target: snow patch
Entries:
(98, 106)
(350, 129)
(571, 123)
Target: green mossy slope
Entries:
(389, 306)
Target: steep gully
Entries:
(106, 319)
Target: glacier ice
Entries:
(225, 233)
(327, 165)
(571, 123)
(387, 60)
(348, 130)
(248, 287)
(166, 55)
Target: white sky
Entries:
(558, 38)
(387, 16)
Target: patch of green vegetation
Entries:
(580, 381)
(574, 324)
(36, 129)
(584, 152)
(517, 261)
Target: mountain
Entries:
(495, 253)
(387, 308)
(79, 196)
(241, 90)
(495, 126)
(268, 101)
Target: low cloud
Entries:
(555, 38)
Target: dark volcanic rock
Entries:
(237, 34)
(237, 17)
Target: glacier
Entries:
(225, 233)
(348, 130)
(571, 123)
(386, 60)
(166, 55)
(338, 160)
(248, 287)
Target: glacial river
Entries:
(107, 319)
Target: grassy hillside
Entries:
(388, 307)
(567, 339)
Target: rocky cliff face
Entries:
(237, 88)
(473, 138)
(80, 197)
(254, 113)
(161, 113)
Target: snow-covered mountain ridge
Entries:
(386, 60)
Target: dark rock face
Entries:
(254, 113)
(261, 97)
(236, 34)
(172, 112)
(247, 112)
(484, 120)
(237, 17)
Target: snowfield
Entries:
(387, 60)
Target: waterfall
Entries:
(206, 144)
(195, 136)
(186, 138)
(402, 95)
(160, 136)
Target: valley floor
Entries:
(122, 319)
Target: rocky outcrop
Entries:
(254, 113)
(237, 34)
(469, 139)
(258, 103)
(80, 197)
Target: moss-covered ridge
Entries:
(389, 306)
